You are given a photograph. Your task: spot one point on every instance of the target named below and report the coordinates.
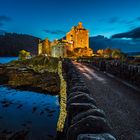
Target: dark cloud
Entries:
(113, 19)
(132, 22)
(110, 20)
(54, 32)
(1, 24)
(4, 19)
(134, 34)
(138, 18)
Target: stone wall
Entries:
(125, 71)
(84, 119)
(79, 36)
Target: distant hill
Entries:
(126, 45)
(126, 41)
(12, 43)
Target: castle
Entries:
(76, 44)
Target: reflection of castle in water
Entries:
(75, 44)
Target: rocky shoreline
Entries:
(25, 78)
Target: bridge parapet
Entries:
(84, 119)
(123, 70)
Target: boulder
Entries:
(91, 112)
(72, 94)
(82, 98)
(104, 136)
(90, 124)
(76, 108)
(79, 88)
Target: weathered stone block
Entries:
(90, 124)
(82, 98)
(72, 94)
(91, 112)
(76, 108)
(79, 88)
(104, 136)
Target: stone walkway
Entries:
(120, 102)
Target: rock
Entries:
(90, 124)
(27, 79)
(21, 135)
(34, 109)
(79, 88)
(82, 98)
(76, 108)
(3, 77)
(91, 112)
(72, 94)
(104, 136)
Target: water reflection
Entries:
(7, 59)
(27, 115)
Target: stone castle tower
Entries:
(78, 37)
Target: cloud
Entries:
(1, 24)
(110, 20)
(134, 34)
(132, 22)
(138, 19)
(113, 20)
(4, 19)
(54, 32)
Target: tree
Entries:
(107, 52)
(116, 53)
(100, 52)
(12, 43)
(24, 55)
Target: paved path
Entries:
(120, 102)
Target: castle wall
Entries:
(46, 47)
(79, 36)
(59, 50)
(39, 48)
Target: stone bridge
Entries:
(83, 119)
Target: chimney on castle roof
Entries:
(80, 25)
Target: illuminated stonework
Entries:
(44, 47)
(76, 44)
(78, 37)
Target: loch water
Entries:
(27, 115)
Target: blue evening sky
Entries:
(53, 18)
